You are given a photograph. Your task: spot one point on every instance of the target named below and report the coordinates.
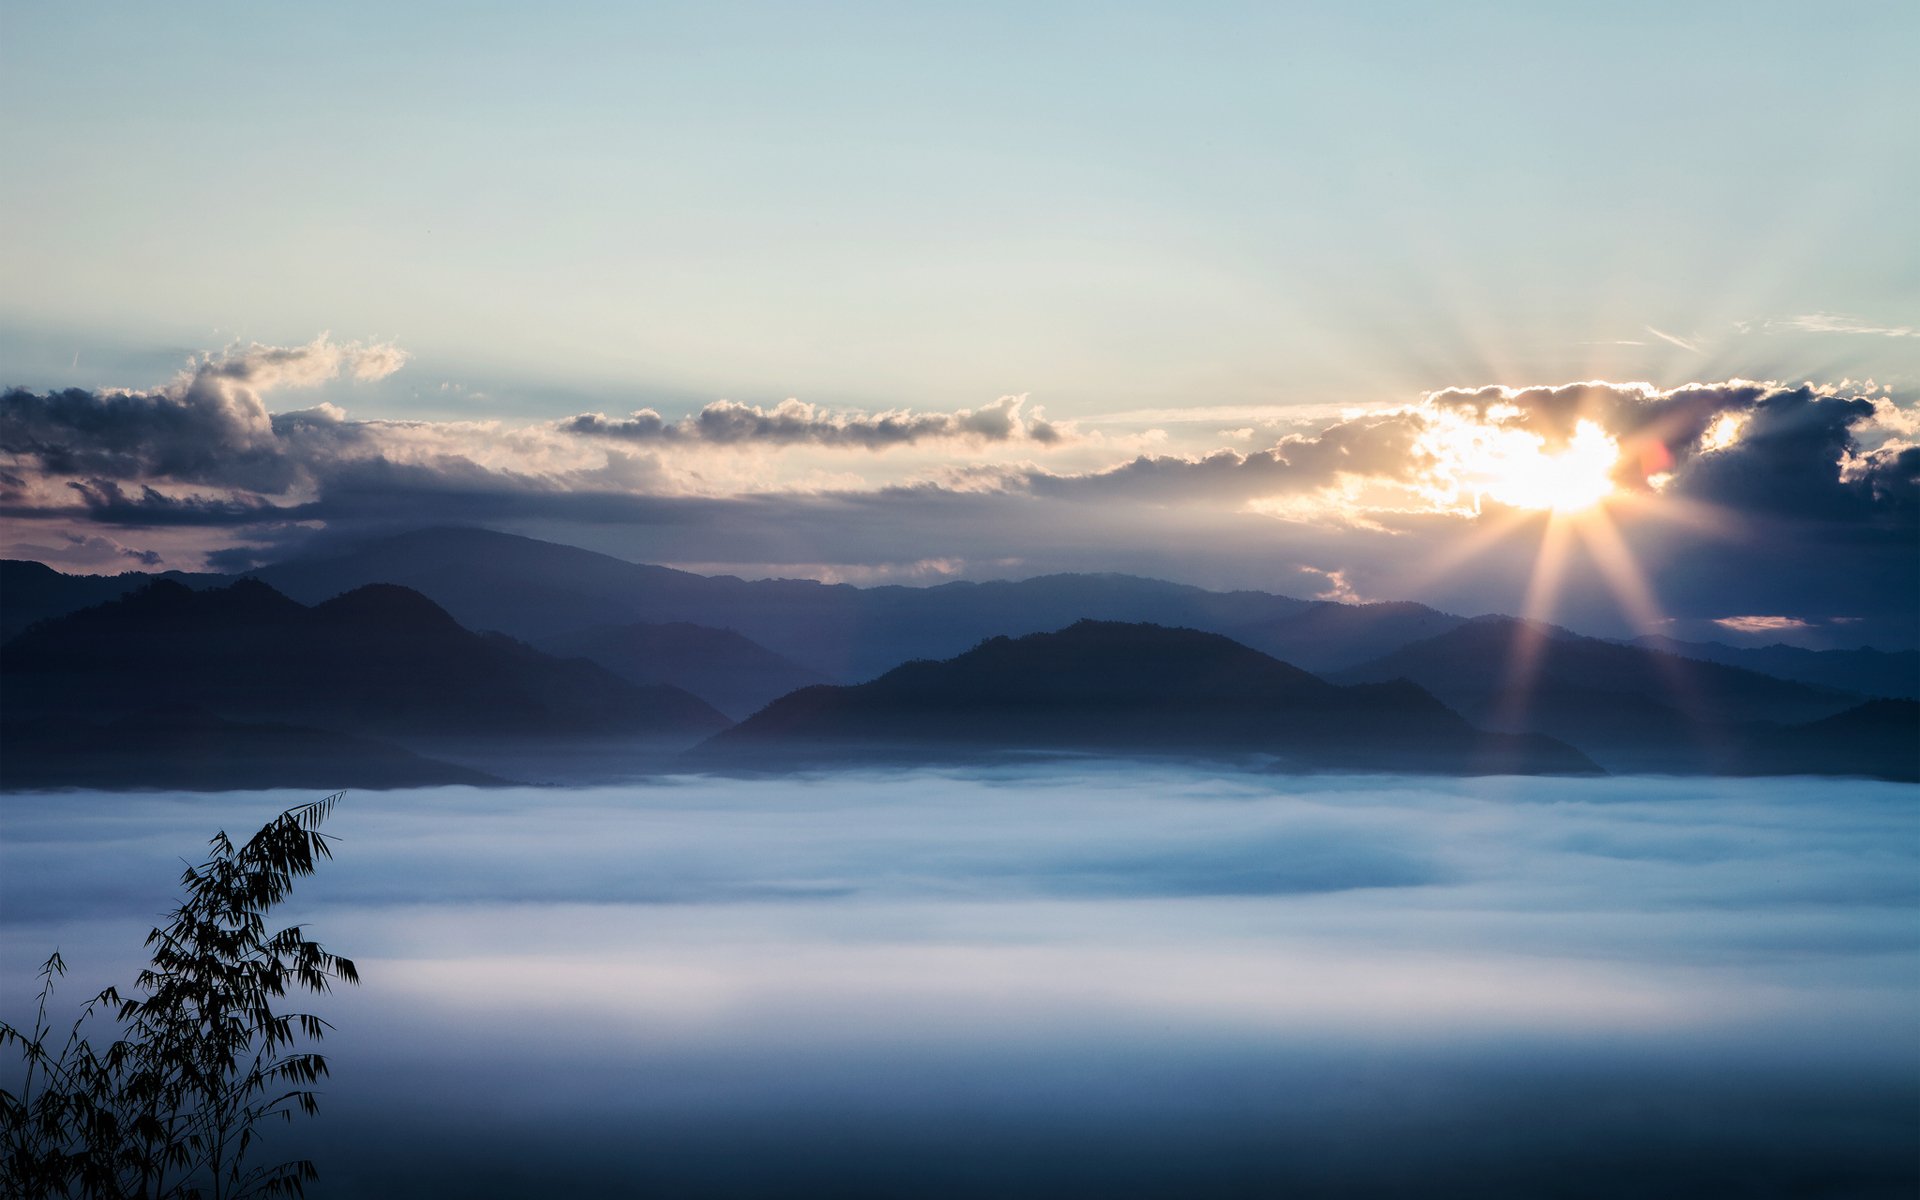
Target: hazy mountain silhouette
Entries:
(1630, 707)
(1323, 635)
(1109, 687)
(535, 590)
(733, 673)
(1880, 738)
(31, 592)
(381, 661)
(1869, 672)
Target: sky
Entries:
(1279, 296)
(1104, 980)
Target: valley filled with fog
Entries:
(1085, 978)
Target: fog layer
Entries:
(1105, 980)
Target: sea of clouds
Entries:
(1091, 979)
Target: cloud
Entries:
(1263, 414)
(794, 423)
(85, 553)
(1791, 458)
(1236, 983)
(206, 450)
(1743, 496)
(1745, 446)
(1824, 322)
(1672, 339)
(1375, 446)
(209, 426)
(1762, 624)
(1338, 588)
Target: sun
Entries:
(1572, 480)
(1514, 468)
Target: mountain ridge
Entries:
(1127, 688)
(380, 664)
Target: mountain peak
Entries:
(387, 605)
(1116, 687)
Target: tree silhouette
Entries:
(171, 1108)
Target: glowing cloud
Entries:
(1514, 467)
(1724, 431)
(1762, 624)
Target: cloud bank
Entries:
(1735, 497)
(1151, 981)
(793, 423)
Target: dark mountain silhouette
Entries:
(1629, 707)
(381, 662)
(1109, 687)
(1869, 672)
(540, 591)
(535, 590)
(1880, 738)
(736, 675)
(191, 749)
(32, 592)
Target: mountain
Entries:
(32, 592)
(1110, 687)
(736, 675)
(568, 599)
(193, 750)
(1630, 707)
(1880, 738)
(1869, 672)
(1324, 635)
(535, 590)
(378, 662)
(380, 659)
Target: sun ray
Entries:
(1489, 530)
(1523, 656)
(1618, 569)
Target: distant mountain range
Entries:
(1631, 707)
(1107, 687)
(1891, 673)
(538, 591)
(730, 672)
(380, 662)
(376, 642)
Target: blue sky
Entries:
(1179, 230)
(1104, 206)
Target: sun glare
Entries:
(1578, 477)
(1514, 467)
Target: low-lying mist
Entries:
(1104, 980)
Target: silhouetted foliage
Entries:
(171, 1108)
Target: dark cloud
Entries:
(209, 427)
(100, 545)
(1788, 461)
(1891, 477)
(793, 423)
(143, 435)
(95, 550)
(106, 501)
